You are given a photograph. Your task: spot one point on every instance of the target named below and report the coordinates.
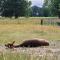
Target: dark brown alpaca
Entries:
(29, 43)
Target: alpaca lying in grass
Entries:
(28, 43)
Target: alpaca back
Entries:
(34, 43)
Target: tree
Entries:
(56, 7)
(53, 6)
(47, 8)
(46, 12)
(14, 8)
(28, 12)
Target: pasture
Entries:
(28, 28)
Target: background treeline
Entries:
(19, 8)
(9, 8)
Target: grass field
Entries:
(28, 28)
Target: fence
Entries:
(32, 20)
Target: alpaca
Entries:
(29, 43)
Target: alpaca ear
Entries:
(13, 42)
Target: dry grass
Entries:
(22, 29)
(20, 32)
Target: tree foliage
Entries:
(54, 7)
(9, 8)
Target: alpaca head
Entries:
(10, 45)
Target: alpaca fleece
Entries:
(34, 43)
